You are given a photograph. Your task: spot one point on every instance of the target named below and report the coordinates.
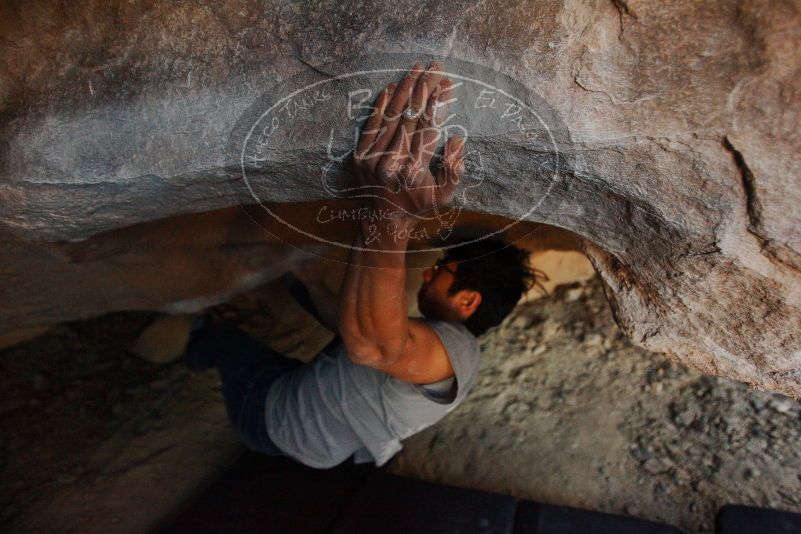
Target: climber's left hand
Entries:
(399, 140)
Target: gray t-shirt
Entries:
(323, 412)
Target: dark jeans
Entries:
(247, 368)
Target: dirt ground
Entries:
(96, 440)
(567, 411)
(93, 439)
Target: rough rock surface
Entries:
(679, 145)
(565, 411)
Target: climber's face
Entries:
(434, 301)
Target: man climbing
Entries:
(386, 375)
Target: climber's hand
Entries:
(395, 149)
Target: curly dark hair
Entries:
(500, 272)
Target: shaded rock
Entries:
(520, 322)
(678, 167)
(159, 385)
(783, 405)
(685, 413)
(657, 465)
(17, 336)
(683, 477)
(574, 294)
(750, 472)
(640, 453)
(163, 341)
(593, 340)
(141, 426)
(40, 382)
(655, 388)
(758, 403)
(561, 267)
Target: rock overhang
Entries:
(679, 170)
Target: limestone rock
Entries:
(164, 340)
(676, 128)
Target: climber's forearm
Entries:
(373, 313)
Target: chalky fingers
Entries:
(424, 142)
(372, 129)
(394, 109)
